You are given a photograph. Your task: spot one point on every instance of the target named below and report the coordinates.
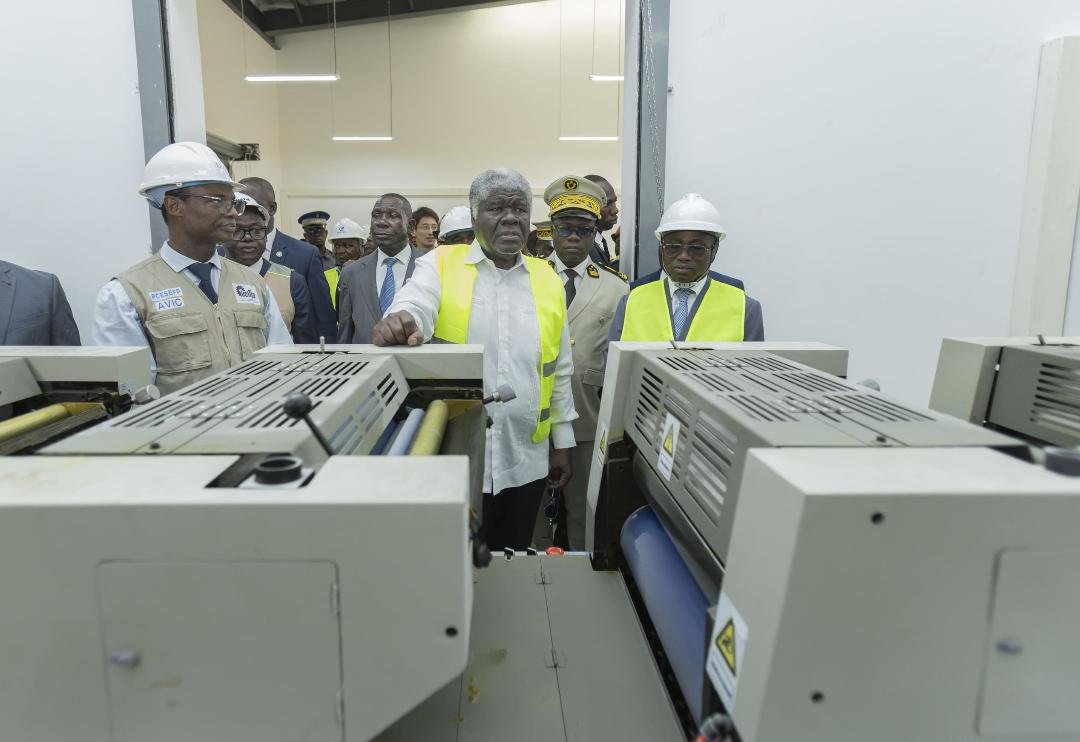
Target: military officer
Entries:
(592, 293)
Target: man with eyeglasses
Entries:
(685, 300)
(369, 285)
(425, 235)
(288, 287)
(198, 313)
(592, 292)
(298, 255)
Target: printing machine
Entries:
(774, 554)
(1025, 386)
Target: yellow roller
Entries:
(30, 421)
(429, 437)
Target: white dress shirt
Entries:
(400, 267)
(695, 286)
(503, 320)
(576, 272)
(117, 323)
(270, 237)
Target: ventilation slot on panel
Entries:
(763, 381)
(877, 408)
(342, 368)
(253, 368)
(270, 416)
(259, 389)
(1059, 383)
(211, 388)
(347, 438)
(766, 363)
(681, 362)
(710, 466)
(388, 390)
(716, 381)
(647, 414)
(321, 386)
(1060, 417)
(814, 382)
(760, 409)
(154, 415)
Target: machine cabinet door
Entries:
(229, 651)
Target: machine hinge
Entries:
(339, 707)
(335, 599)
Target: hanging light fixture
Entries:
(592, 76)
(331, 76)
(390, 75)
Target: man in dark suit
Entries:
(367, 287)
(300, 256)
(609, 217)
(34, 309)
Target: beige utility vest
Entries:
(278, 281)
(190, 337)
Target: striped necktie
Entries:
(682, 310)
(386, 293)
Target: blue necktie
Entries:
(386, 293)
(202, 272)
(682, 310)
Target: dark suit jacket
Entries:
(305, 260)
(358, 297)
(34, 309)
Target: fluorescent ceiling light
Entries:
(293, 78)
(588, 139)
(606, 78)
(363, 139)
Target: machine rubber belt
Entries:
(675, 603)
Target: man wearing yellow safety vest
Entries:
(489, 293)
(685, 300)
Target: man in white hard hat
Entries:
(488, 293)
(456, 227)
(198, 312)
(247, 246)
(685, 300)
(592, 292)
(346, 241)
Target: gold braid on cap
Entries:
(575, 201)
(543, 233)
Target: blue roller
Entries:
(406, 433)
(386, 439)
(676, 605)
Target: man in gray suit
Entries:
(367, 286)
(34, 309)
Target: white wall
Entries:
(472, 89)
(869, 160)
(237, 110)
(71, 145)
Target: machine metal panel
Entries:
(239, 410)
(605, 687)
(1032, 657)
(62, 516)
(865, 577)
(730, 401)
(17, 381)
(125, 369)
(1037, 393)
(198, 628)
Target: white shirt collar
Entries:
(403, 257)
(696, 286)
(561, 267)
(270, 237)
(476, 255)
(179, 262)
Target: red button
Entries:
(554, 551)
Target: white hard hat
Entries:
(182, 164)
(365, 231)
(345, 229)
(691, 211)
(458, 219)
(251, 203)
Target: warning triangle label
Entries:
(669, 442)
(725, 642)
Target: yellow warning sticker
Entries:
(727, 651)
(669, 444)
(725, 642)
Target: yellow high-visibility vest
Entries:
(719, 316)
(457, 278)
(332, 276)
